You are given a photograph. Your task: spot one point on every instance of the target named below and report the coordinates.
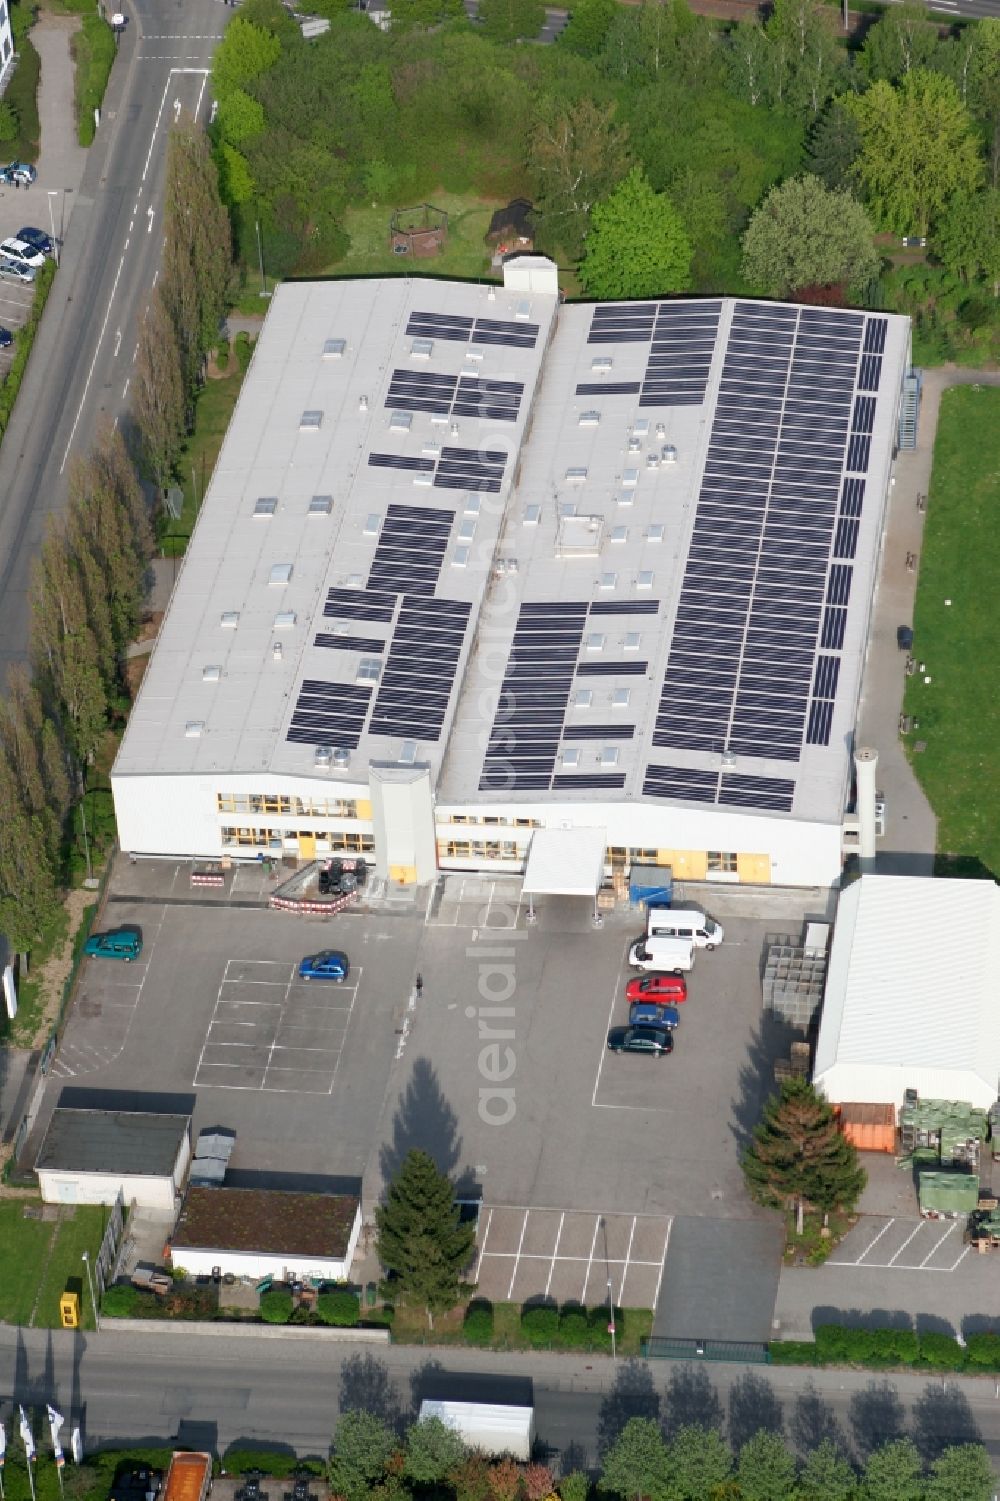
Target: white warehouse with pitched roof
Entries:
(474, 562)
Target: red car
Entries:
(669, 988)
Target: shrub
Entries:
(119, 1301)
(8, 121)
(941, 1351)
(478, 1322)
(575, 1486)
(574, 1326)
(94, 51)
(983, 1350)
(340, 1307)
(244, 350)
(22, 95)
(277, 1462)
(599, 1320)
(222, 354)
(540, 1323)
(895, 1346)
(276, 1305)
(794, 1352)
(537, 1482)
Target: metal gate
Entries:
(739, 1352)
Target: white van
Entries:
(688, 923)
(674, 955)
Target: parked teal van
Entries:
(119, 943)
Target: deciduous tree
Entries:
(798, 1156)
(826, 1475)
(511, 20)
(700, 1463)
(805, 234)
(197, 224)
(421, 1241)
(588, 26)
(918, 149)
(576, 155)
(244, 53)
(433, 1450)
(636, 245)
(962, 1470)
(967, 238)
(902, 39)
(362, 1447)
(766, 1470)
(637, 1466)
(159, 400)
(29, 896)
(894, 1473)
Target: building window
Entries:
(243, 838)
(721, 862)
(643, 857)
(351, 844)
(478, 849)
(298, 807)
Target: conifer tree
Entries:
(421, 1242)
(798, 1157)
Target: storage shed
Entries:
(257, 1233)
(912, 995)
(90, 1156)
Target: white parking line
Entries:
(604, 1049)
(517, 1259)
(906, 1242)
(590, 1258)
(887, 1226)
(951, 1228)
(555, 1253)
(663, 1262)
(486, 1236)
(628, 1254)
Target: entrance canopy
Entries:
(564, 862)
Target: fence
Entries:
(739, 1352)
(106, 1259)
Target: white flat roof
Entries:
(578, 553)
(565, 862)
(912, 991)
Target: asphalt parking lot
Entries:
(496, 1062)
(15, 305)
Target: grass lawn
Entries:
(958, 713)
(39, 1259)
(216, 404)
(466, 253)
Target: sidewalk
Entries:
(61, 159)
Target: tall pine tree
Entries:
(421, 1242)
(798, 1157)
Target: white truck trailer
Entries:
(487, 1426)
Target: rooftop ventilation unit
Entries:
(211, 674)
(276, 651)
(661, 429)
(431, 449)
(523, 311)
(634, 445)
(474, 353)
(320, 505)
(193, 729)
(668, 454)
(400, 422)
(608, 581)
(362, 403)
(323, 755)
(570, 756)
(576, 476)
(284, 620)
(640, 427)
(421, 349)
(595, 641)
(408, 753)
(229, 619)
(652, 461)
(589, 419)
(341, 757)
(630, 479)
(609, 755)
(467, 530)
(281, 574)
(583, 698)
(369, 670)
(265, 506)
(333, 349)
(601, 364)
(311, 421)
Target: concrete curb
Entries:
(223, 1329)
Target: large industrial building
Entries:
(475, 562)
(888, 1024)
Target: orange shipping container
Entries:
(870, 1128)
(189, 1477)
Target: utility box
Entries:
(69, 1310)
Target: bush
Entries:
(276, 1305)
(895, 1346)
(540, 1323)
(119, 1301)
(278, 1462)
(599, 1320)
(22, 96)
(22, 348)
(794, 1352)
(8, 121)
(575, 1486)
(942, 1351)
(222, 354)
(94, 52)
(983, 1350)
(340, 1307)
(478, 1323)
(244, 350)
(574, 1327)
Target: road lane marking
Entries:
(93, 363)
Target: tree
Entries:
(751, 61)
(588, 26)
(362, 1447)
(158, 404)
(421, 1241)
(29, 897)
(894, 1473)
(700, 1462)
(408, 14)
(511, 20)
(918, 149)
(967, 239)
(637, 1466)
(197, 227)
(433, 1450)
(65, 650)
(805, 234)
(766, 1470)
(827, 1475)
(798, 1157)
(576, 155)
(806, 59)
(244, 53)
(961, 1470)
(903, 38)
(636, 245)
(834, 146)
(239, 117)
(980, 83)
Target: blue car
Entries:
(36, 238)
(653, 1014)
(331, 964)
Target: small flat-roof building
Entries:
(474, 562)
(90, 1156)
(266, 1232)
(912, 995)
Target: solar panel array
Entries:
(688, 784)
(682, 339)
(329, 714)
(524, 740)
(514, 333)
(350, 643)
(417, 679)
(456, 469)
(360, 604)
(411, 548)
(763, 584)
(454, 395)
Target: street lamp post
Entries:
(85, 1258)
(611, 1320)
(50, 194)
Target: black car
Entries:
(6, 338)
(656, 1041)
(37, 239)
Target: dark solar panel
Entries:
(419, 673)
(607, 781)
(756, 792)
(625, 607)
(681, 782)
(329, 714)
(599, 732)
(411, 548)
(360, 604)
(350, 643)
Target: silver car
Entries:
(20, 250)
(15, 270)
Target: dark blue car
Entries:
(331, 964)
(36, 238)
(653, 1014)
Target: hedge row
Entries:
(24, 339)
(94, 51)
(545, 1326)
(885, 1348)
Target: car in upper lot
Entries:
(6, 338)
(15, 270)
(117, 943)
(654, 1041)
(23, 173)
(37, 239)
(19, 250)
(659, 954)
(689, 923)
(670, 988)
(653, 1014)
(20, 172)
(329, 964)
